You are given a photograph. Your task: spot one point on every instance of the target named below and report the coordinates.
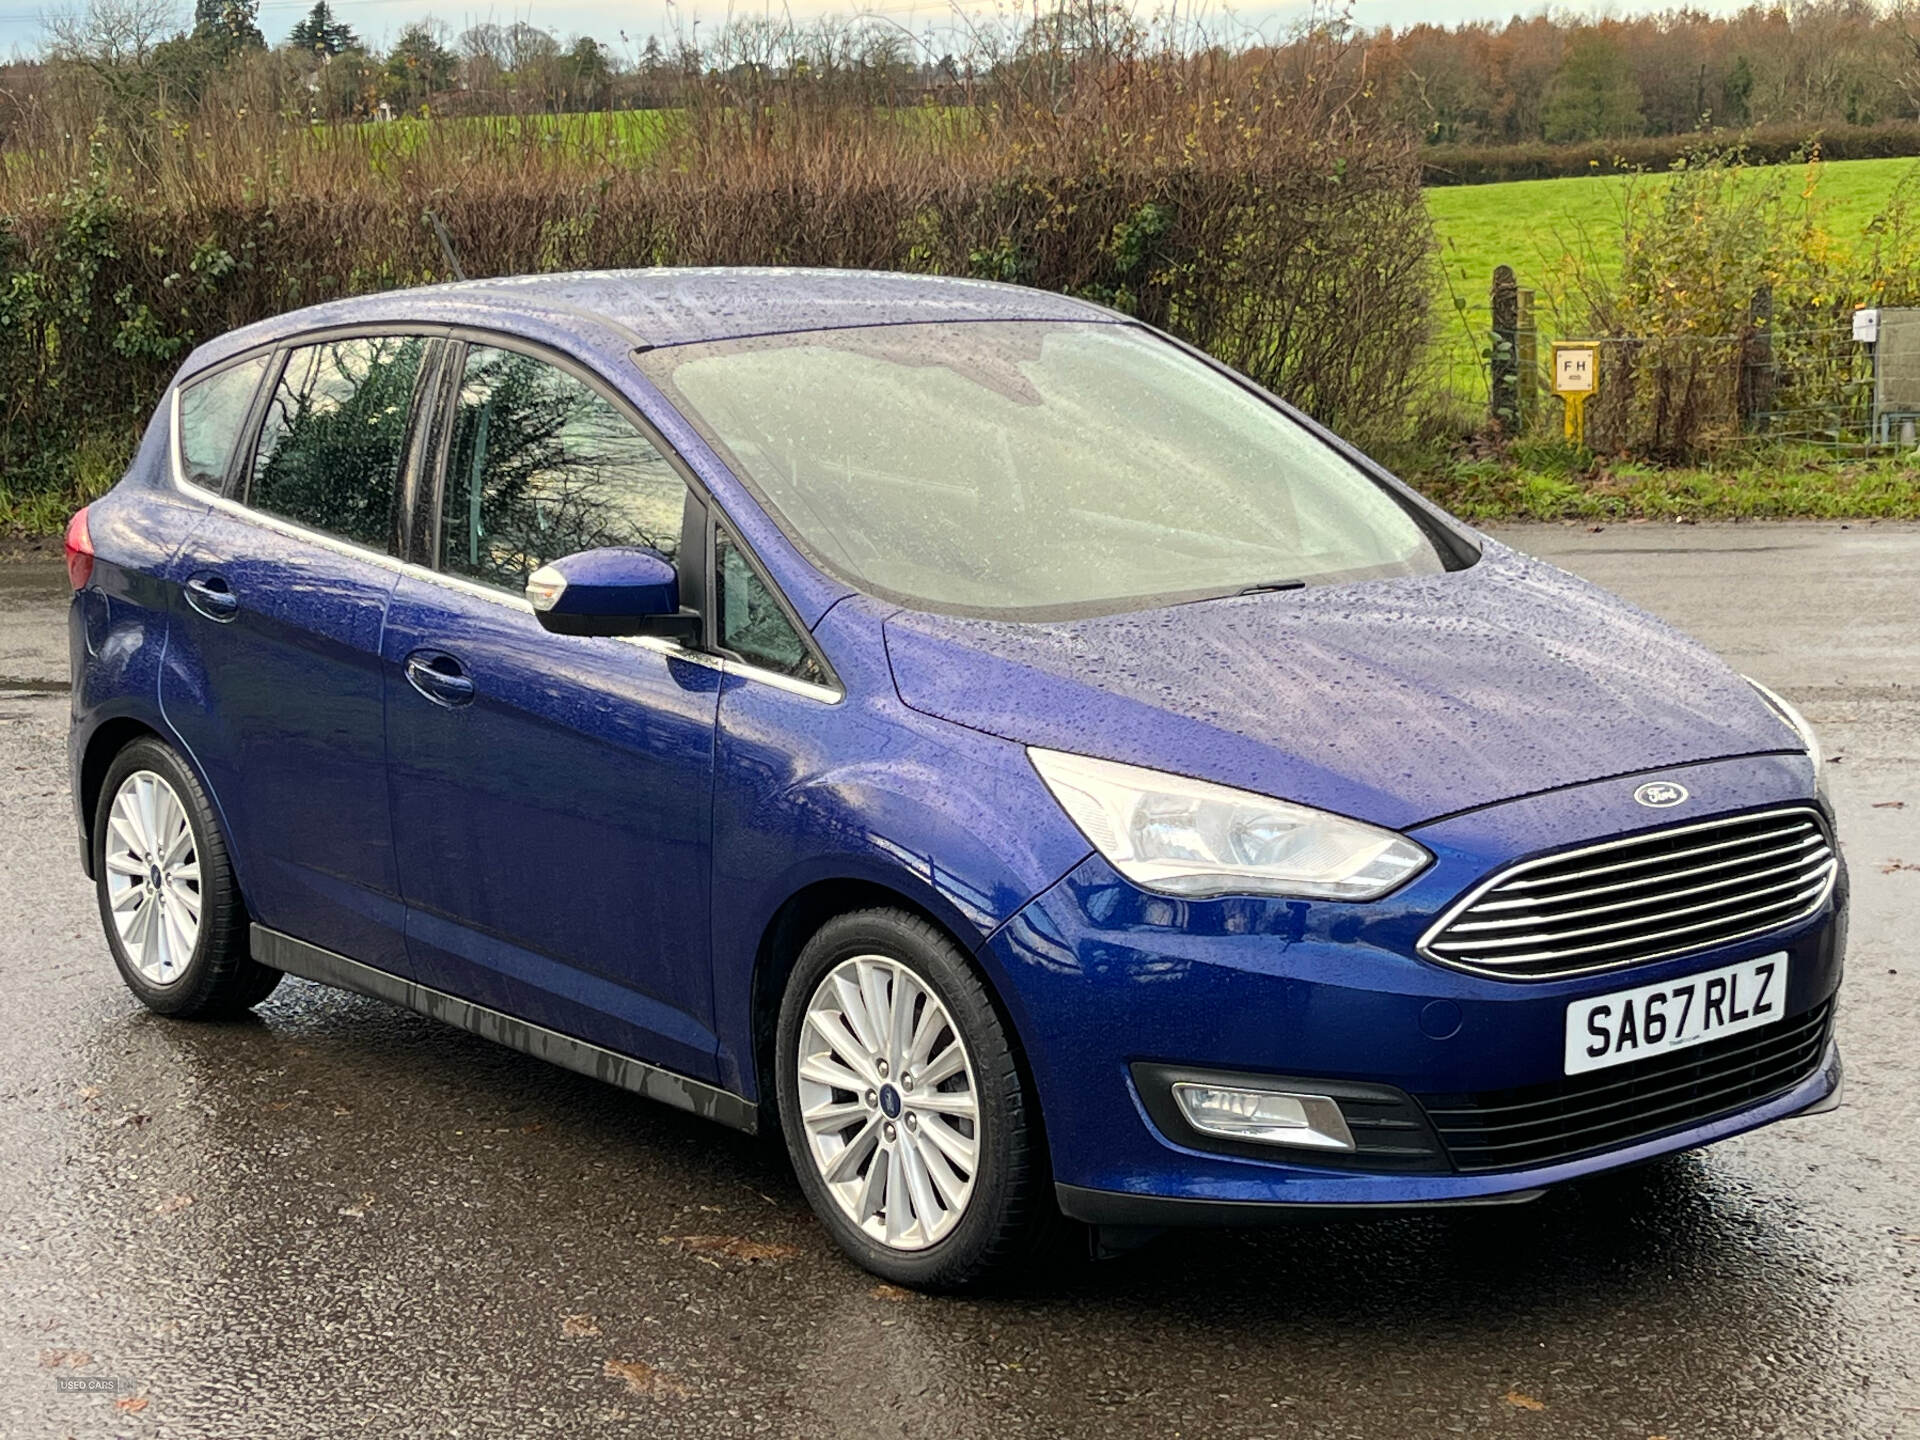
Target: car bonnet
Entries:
(1394, 701)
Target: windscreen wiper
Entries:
(1272, 585)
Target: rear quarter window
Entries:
(212, 413)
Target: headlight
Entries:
(1794, 718)
(1187, 837)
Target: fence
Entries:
(1843, 386)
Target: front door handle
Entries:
(209, 594)
(439, 677)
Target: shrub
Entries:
(1262, 218)
(1765, 145)
(1731, 311)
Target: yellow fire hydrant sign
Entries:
(1576, 377)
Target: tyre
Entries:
(911, 1129)
(172, 912)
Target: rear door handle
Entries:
(209, 594)
(439, 677)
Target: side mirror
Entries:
(622, 590)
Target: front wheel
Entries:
(168, 899)
(905, 1114)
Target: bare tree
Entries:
(110, 34)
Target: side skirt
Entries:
(310, 962)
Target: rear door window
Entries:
(541, 465)
(335, 437)
(212, 412)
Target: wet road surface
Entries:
(340, 1219)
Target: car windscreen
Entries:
(1027, 468)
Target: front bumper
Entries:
(1817, 1095)
(1117, 982)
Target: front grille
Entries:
(1664, 893)
(1564, 1119)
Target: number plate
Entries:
(1654, 1019)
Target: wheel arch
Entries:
(801, 915)
(109, 738)
(107, 741)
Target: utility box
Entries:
(1896, 371)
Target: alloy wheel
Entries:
(888, 1099)
(153, 877)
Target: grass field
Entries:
(1546, 228)
(622, 136)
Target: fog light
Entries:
(1265, 1117)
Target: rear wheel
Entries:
(168, 900)
(904, 1111)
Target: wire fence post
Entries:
(1526, 356)
(1758, 377)
(1503, 381)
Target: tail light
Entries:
(79, 549)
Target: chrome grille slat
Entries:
(1691, 850)
(1815, 842)
(1502, 942)
(1577, 951)
(1531, 921)
(1803, 868)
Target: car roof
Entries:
(604, 314)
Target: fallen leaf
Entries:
(894, 1293)
(130, 1118)
(173, 1205)
(573, 1325)
(1881, 805)
(278, 1104)
(341, 1110)
(132, 1404)
(89, 1092)
(529, 1129)
(358, 1212)
(1521, 1401)
(642, 1379)
(733, 1247)
(1894, 866)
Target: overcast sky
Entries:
(379, 20)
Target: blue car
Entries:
(958, 727)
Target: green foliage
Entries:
(1594, 96)
(1737, 93)
(1131, 251)
(320, 33)
(227, 27)
(1001, 261)
(1782, 484)
(419, 66)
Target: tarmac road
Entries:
(339, 1219)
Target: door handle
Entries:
(208, 593)
(439, 677)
